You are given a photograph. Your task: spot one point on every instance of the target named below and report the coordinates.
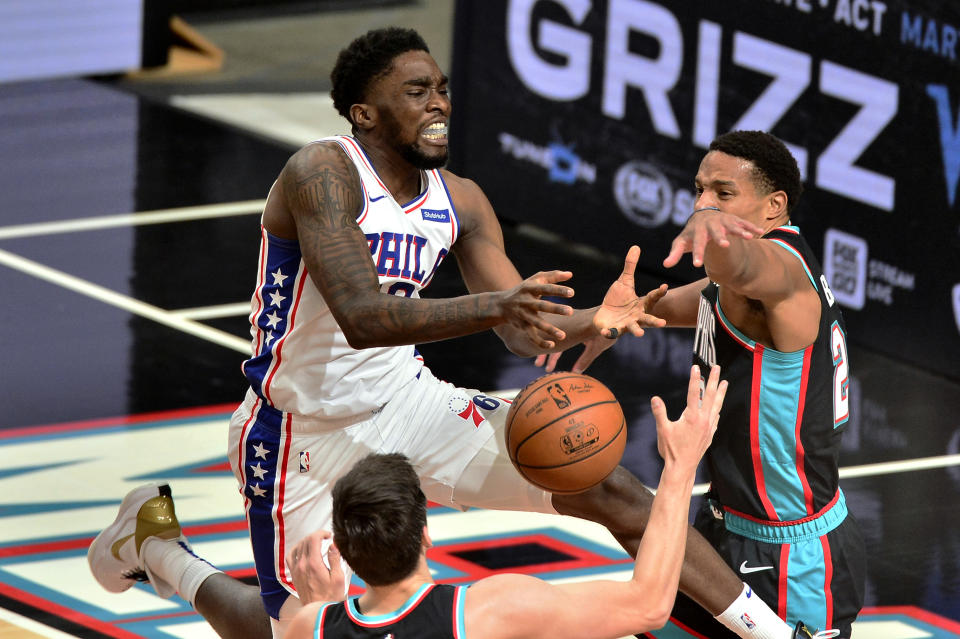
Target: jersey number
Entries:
(401, 289)
(827, 293)
(479, 401)
(841, 376)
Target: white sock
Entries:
(174, 563)
(749, 617)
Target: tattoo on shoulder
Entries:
(324, 190)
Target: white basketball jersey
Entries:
(301, 361)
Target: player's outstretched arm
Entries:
(709, 226)
(621, 310)
(485, 267)
(735, 255)
(318, 581)
(752, 267)
(514, 606)
(321, 189)
(318, 575)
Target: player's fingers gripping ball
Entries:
(565, 432)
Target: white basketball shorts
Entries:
(286, 464)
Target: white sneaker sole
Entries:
(112, 573)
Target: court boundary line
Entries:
(214, 311)
(124, 302)
(141, 218)
(183, 320)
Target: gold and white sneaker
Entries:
(115, 555)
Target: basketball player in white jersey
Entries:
(353, 228)
(379, 509)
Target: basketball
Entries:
(565, 432)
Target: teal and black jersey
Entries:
(777, 514)
(433, 612)
(774, 456)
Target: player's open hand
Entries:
(621, 310)
(684, 441)
(522, 306)
(705, 226)
(592, 348)
(314, 578)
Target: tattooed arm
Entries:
(317, 199)
(485, 267)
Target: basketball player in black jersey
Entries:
(380, 527)
(765, 314)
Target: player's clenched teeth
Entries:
(436, 131)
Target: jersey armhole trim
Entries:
(454, 218)
(797, 255)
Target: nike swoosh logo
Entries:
(115, 548)
(374, 199)
(744, 569)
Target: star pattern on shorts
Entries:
(278, 277)
(259, 471)
(276, 299)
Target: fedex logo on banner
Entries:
(791, 73)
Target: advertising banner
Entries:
(590, 118)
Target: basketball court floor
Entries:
(128, 244)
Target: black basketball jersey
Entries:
(774, 456)
(433, 612)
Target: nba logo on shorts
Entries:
(845, 265)
(304, 461)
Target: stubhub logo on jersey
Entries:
(435, 215)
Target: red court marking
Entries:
(63, 612)
(580, 558)
(107, 422)
(50, 546)
(84, 542)
(222, 467)
(915, 613)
